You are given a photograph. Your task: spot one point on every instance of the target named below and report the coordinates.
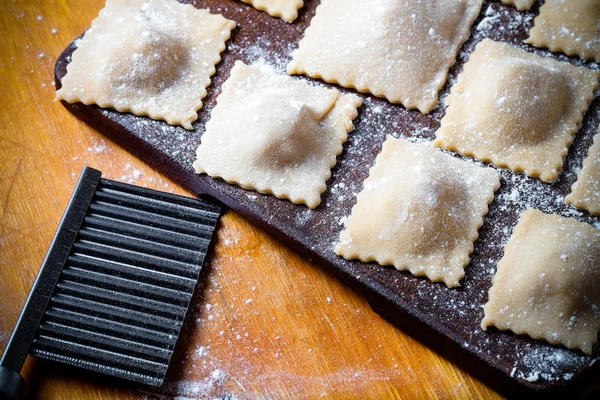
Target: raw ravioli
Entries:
(547, 284)
(147, 57)
(419, 210)
(276, 135)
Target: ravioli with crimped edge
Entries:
(420, 210)
(397, 49)
(276, 135)
(516, 109)
(287, 10)
(147, 57)
(547, 284)
(571, 27)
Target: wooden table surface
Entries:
(264, 323)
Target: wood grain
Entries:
(265, 323)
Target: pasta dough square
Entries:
(147, 57)
(276, 135)
(547, 284)
(585, 192)
(568, 26)
(520, 5)
(287, 10)
(397, 49)
(419, 210)
(516, 110)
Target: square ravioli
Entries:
(585, 192)
(147, 57)
(568, 26)
(397, 49)
(419, 210)
(547, 284)
(276, 135)
(520, 5)
(287, 10)
(516, 110)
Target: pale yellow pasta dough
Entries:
(568, 26)
(515, 109)
(287, 10)
(585, 192)
(420, 211)
(147, 57)
(397, 49)
(547, 284)
(520, 5)
(275, 135)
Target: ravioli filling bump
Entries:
(397, 49)
(547, 284)
(147, 57)
(419, 211)
(275, 135)
(516, 110)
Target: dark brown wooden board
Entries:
(446, 319)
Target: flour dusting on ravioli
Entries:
(276, 135)
(585, 192)
(147, 57)
(419, 211)
(568, 26)
(515, 109)
(547, 284)
(397, 49)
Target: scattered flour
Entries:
(490, 19)
(201, 351)
(550, 364)
(136, 174)
(98, 147)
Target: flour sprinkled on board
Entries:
(500, 18)
(261, 53)
(550, 364)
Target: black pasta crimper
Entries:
(113, 291)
